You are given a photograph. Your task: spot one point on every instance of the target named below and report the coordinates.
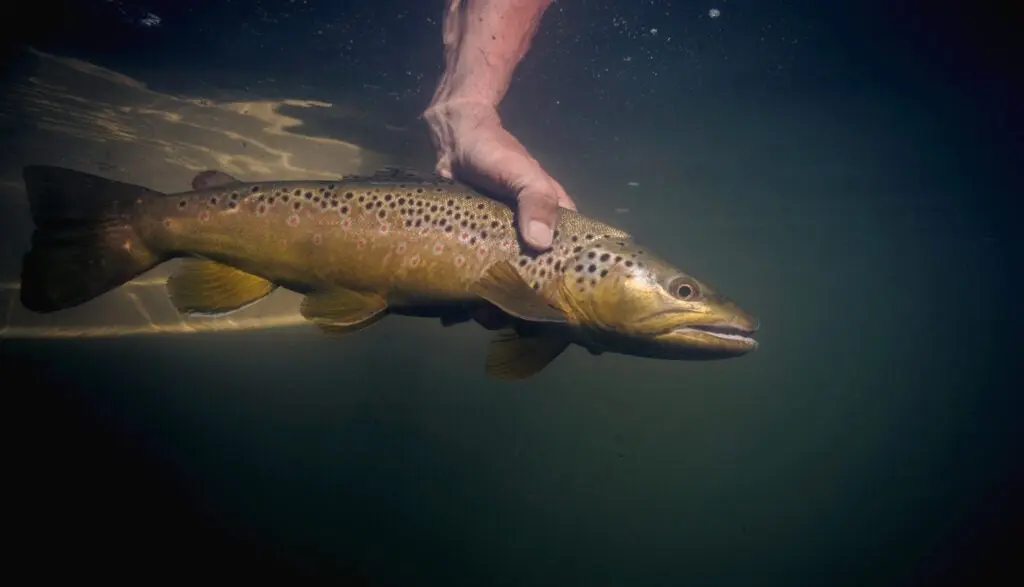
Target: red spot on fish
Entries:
(481, 252)
(460, 260)
(414, 260)
(317, 239)
(293, 220)
(168, 223)
(361, 244)
(346, 223)
(261, 209)
(438, 248)
(400, 248)
(383, 227)
(204, 216)
(464, 236)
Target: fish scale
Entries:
(405, 237)
(361, 248)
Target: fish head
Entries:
(623, 299)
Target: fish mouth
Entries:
(730, 333)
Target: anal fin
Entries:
(512, 356)
(201, 286)
(340, 311)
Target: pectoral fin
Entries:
(339, 311)
(512, 356)
(503, 287)
(201, 286)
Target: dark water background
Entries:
(847, 171)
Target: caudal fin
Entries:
(84, 244)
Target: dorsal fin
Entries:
(212, 179)
(399, 175)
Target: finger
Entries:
(538, 213)
(563, 198)
(444, 165)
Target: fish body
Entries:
(360, 248)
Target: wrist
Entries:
(460, 111)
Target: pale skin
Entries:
(484, 40)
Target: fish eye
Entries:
(683, 289)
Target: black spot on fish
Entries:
(297, 205)
(604, 272)
(591, 255)
(522, 262)
(255, 189)
(629, 263)
(483, 234)
(592, 268)
(578, 268)
(232, 205)
(494, 224)
(387, 197)
(213, 201)
(605, 257)
(448, 228)
(285, 198)
(419, 190)
(348, 195)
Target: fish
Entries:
(360, 248)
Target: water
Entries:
(844, 173)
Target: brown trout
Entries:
(360, 248)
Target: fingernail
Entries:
(539, 233)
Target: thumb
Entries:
(538, 213)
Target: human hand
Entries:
(474, 147)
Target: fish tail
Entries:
(84, 244)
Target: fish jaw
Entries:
(720, 330)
